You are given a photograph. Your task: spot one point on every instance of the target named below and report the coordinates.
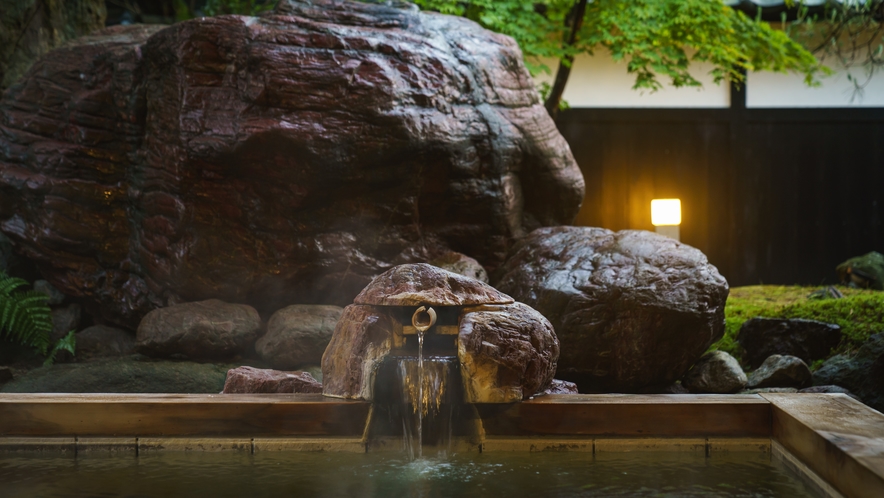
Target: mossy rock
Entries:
(860, 313)
(132, 374)
(866, 271)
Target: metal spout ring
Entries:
(419, 318)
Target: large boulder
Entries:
(807, 339)
(298, 335)
(862, 373)
(251, 380)
(286, 158)
(631, 309)
(207, 330)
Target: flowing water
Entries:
(391, 474)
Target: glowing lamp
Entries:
(666, 216)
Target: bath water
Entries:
(391, 474)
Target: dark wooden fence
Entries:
(774, 196)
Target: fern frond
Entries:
(24, 315)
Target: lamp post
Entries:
(666, 216)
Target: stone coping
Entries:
(838, 439)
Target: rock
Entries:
(807, 339)
(122, 375)
(862, 374)
(631, 309)
(865, 271)
(559, 387)
(461, 264)
(783, 390)
(65, 320)
(715, 372)
(209, 329)
(828, 390)
(30, 28)
(423, 284)
(288, 158)
(55, 295)
(298, 335)
(780, 371)
(362, 339)
(100, 341)
(5, 375)
(247, 380)
(507, 353)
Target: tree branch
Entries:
(564, 69)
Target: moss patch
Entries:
(859, 313)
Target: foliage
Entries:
(849, 33)
(25, 318)
(859, 313)
(656, 38)
(243, 7)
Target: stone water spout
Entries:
(505, 350)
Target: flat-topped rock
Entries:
(423, 284)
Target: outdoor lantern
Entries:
(666, 216)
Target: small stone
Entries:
(559, 387)
(64, 320)
(101, 341)
(781, 371)
(783, 390)
(55, 296)
(247, 380)
(298, 335)
(715, 372)
(809, 340)
(828, 390)
(461, 264)
(865, 272)
(209, 329)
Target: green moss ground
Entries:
(860, 313)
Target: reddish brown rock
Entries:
(631, 309)
(249, 380)
(362, 339)
(506, 353)
(420, 283)
(205, 330)
(297, 335)
(287, 158)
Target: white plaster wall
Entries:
(598, 81)
(768, 90)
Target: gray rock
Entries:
(55, 295)
(631, 309)
(461, 264)
(246, 380)
(100, 341)
(559, 387)
(298, 335)
(807, 339)
(715, 372)
(862, 374)
(64, 320)
(784, 390)
(829, 390)
(781, 371)
(209, 329)
(122, 375)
